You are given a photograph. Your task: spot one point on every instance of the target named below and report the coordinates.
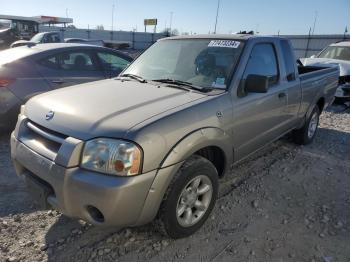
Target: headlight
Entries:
(110, 156)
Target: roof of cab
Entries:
(241, 37)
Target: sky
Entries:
(196, 16)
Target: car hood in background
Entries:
(104, 108)
(344, 65)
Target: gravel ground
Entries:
(286, 203)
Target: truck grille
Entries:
(40, 139)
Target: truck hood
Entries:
(104, 108)
(344, 66)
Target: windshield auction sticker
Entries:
(224, 43)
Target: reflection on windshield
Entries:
(336, 52)
(37, 38)
(202, 62)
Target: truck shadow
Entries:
(69, 238)
(14, 198)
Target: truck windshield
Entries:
(336, 52)
(201, 62)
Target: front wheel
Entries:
(307, 133)
(189, 199)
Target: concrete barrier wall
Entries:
(306, 46)
(137, 40)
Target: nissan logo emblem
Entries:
(50, 115)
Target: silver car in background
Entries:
(337, 54)
(30, 70)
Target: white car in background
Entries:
(339, 55)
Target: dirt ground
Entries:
(286, 203)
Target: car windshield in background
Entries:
(201, 62)
(37, 38)
(336, 52)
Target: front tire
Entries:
(307, 133)
(190, 198)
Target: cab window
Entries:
(288, 58)
(262, 61)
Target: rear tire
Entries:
(307, 133)
(190, 198)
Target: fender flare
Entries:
(187, 146)
(196, 140)
(312, 106)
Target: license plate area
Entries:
(39, 190)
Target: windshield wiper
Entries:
(181, 83)
(136, 77)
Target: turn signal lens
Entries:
(115, 157)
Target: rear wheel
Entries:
(307, 133)
(189, 199)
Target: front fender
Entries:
(204, 137)
(187, 146)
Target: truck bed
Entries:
(307, 72)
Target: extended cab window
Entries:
(289, 62)
(262, 61)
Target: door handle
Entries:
(58, 81)
(281, 95)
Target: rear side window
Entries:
(288, 60)
(262, 61)
(70, 61)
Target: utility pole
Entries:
(67, 12)
(345, 31)
(112, 22)
(217, 15)
(171, 21)
(313, 28)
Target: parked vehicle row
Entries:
(337, 54)
(154, 142)
(30, 70)
(54, 37)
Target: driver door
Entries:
(259, 118)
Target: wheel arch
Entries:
(212, 143)
(199, 142)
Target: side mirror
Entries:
(313, 56)
(256, 84)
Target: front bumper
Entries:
(75, 191)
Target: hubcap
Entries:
(313, 125)
(194, 201)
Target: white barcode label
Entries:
(224, 43)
